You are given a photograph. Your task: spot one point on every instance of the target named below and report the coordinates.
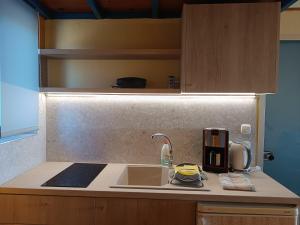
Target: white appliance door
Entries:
(246, 214)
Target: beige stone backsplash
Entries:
(118, 129)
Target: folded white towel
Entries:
(234, 181)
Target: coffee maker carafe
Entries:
(215, 150)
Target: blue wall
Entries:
(18, 67)
(282, 134)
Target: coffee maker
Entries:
(215, 150)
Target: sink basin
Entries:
(144, 175)
(148, 177)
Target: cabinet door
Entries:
(26, 209)
(70, 211)
(145, 212)
(230, 47)
(22, 209)
(219, 219)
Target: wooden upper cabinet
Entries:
(230, 47)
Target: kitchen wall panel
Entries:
(282, 131)
(118, 128)
(290, 25)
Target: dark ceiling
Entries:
(97, 9)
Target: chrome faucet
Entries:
(168, 141)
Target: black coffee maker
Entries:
(215, 150)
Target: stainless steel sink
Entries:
(144, 175)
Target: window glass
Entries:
(18, 68)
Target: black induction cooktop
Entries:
(78, 175)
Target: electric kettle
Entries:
(240, 156)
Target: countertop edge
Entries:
(169, 196)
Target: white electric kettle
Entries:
(240, 156)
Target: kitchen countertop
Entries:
(267, 189)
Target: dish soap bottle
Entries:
(165, 156)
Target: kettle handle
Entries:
(249, 158)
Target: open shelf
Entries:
(111, 53)
(110, 90)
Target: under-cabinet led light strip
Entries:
(81, 94)
(161, 99)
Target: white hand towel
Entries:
(233, 181)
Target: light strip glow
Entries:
(219, 94)
(81, 94)
(161, 99)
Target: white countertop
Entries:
(267, 189)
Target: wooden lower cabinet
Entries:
(219, 219)
(60, 210)
(145, 212)
(54, 210)
(42, 210)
